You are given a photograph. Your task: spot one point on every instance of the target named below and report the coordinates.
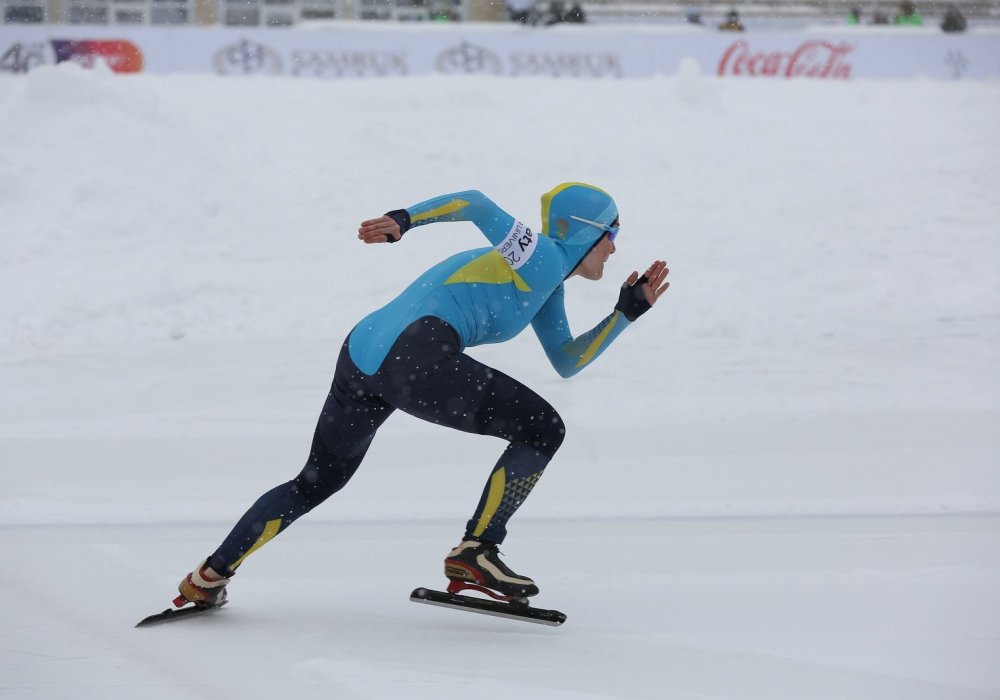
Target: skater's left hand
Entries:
(653, 281)
(638, 294)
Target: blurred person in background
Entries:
(523, 11)
(444, 11)
(855, 15)
(732, 23)
(557, 13)
(908, 15)
(410, 355)
(954, 20)
(575, 14)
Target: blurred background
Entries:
(717, 14)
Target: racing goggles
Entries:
(611, 230)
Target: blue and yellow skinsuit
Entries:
(489, 295)
(408, 355)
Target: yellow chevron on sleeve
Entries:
(596, 343)
(449, 208)
(493, 499)
(270, 530)
(490, 268)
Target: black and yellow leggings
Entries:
(426, 375)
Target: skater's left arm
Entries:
(569, 355)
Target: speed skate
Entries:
(497, 605)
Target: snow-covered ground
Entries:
(781, 483)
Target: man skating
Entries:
(408, 355)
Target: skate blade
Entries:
(172, 615)
(512, 611)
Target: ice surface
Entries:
(783, 483)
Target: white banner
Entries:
(368, 50)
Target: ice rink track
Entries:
(780, 485)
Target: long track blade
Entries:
(512, 611)
(172, 615)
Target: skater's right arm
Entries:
(471, 205)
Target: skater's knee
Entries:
(542, 430)
(550, 431)
(317, 482)
(558, 431)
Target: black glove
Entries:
(632, 300)
(403, 219)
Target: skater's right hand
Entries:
(388, 228)
(380, 230)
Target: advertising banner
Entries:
(363, 50)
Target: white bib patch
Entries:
(519, 245)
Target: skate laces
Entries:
(492, 548)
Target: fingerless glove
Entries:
(401, 217)
(632, 300)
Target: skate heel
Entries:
(476, 563)
(456, 587)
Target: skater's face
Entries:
(592, 266)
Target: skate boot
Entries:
(476, 565)
(203, 587)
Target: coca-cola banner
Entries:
(364, 50)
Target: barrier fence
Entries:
(363, 51)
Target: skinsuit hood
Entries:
(579, 199)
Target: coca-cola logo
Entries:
(811, 59)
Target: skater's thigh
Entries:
(467, 395)
(351, 415)
(515, 412)
(426, 375)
